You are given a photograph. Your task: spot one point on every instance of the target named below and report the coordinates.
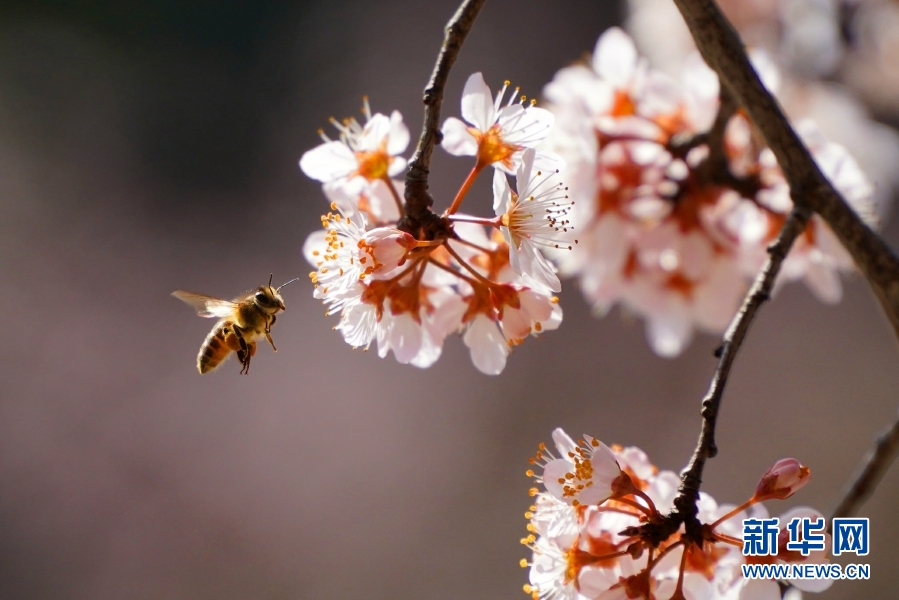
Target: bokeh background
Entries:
(150, 146)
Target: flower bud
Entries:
(782, 480)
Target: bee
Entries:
(241, 322)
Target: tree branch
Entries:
(722, 49)
(418, 200)
(691, 478)
(870, 472)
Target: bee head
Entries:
(268, 298)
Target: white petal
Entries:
(595, 580)
(457, 140)
(315, 243)
(538, 306)
(525, 127)
(477, 105)
(530, 261)
(358, 325)
(668, 335)
(615, 57)
(376, 129)
(523, 174)
(516, 323)
(399, 134)
(338, 193)
(397, 166)
(329, 161)
(381, 202)
(405, 338)
(564, 443)
(502, 193)
(428, 354)
(488, 347)
(554, 476)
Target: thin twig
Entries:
(691, 478)
(722, 49)
(418, 200)
(870, 472)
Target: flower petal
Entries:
(329, 161)
(477, 105)
(457, 140)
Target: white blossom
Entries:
(496, 134)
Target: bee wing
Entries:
(207, 306)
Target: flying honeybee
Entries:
(241, 322)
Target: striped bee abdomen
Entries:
(220, 342)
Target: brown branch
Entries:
(870, 472)
(419, 218)
(691, 478)
(722, 49)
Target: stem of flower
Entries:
(646, 511)
(662, 554)
(652, 506)
(616, 510)
(494, 222)
(468, 267)
(728, 539)
(679, 589)
(472, 245)
(404, 272)
(396, 195)
(457, 201)
(440, 265)
(429, 243)
(742, 507)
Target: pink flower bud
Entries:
(782, 480)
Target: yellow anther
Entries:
(523, 563)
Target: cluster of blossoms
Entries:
(835, 57)
(486, 278)
(675, 199)
(594, 530)
(852, 42)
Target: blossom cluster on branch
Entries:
(594, 530)
(487, 278)
(676, 199)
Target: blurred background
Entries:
(150, 146)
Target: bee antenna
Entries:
(270, 275)
(288, 283)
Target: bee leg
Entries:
(268, 332)
(244, 354)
